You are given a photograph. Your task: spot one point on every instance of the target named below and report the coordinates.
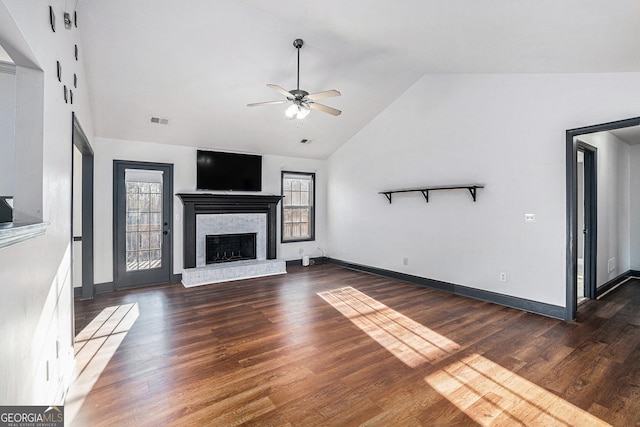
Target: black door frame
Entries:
(80, 141)
(571, 148)
(590, 218)
(130, 281)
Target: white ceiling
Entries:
(199, 62)
(630, 135)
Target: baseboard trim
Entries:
(536, 307)
(603, 289)
(103, 288)
(312, 261)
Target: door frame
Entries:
(80, 141)
(167, 182)
(571, 149)
(590, 217)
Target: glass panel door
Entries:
(143, 232)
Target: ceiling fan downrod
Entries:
(297, 43)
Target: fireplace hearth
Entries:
(230, 247)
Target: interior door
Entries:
(143, 249)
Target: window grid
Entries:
(144, 225)
(297, 206)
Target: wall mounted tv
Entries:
(228, 171)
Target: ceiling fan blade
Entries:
(324, 108)
(325, 94)
(257, 104)
(282, 91)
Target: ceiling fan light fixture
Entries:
(297, 111)
(303, 111)
(291, 112)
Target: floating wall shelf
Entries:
(425, 190)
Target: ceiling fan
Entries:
(302, 101)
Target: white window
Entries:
(298, 210)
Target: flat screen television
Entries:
(228, 171)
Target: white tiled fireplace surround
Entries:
(209, 224)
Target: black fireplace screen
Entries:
(230, 247)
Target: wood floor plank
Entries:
(273, 351)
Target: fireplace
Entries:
(208, 217)
(230, 247)
(201, 204)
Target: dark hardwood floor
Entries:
(324, 345)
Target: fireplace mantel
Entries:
(203, 203)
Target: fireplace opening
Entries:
(230, 247)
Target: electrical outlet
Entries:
(300, 251)
(530, 217)
(405, 261)
(611, 265)
(503, 277)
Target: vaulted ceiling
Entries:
(199, 63)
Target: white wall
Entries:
(634, 197)
(36, 304)
(504, 131)
(612, 160)
(184, 170)
(7, 128)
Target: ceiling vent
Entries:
(159, 121)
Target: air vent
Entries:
(159, 120)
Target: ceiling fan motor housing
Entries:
(299, 93)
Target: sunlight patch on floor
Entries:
(482, 389)
(95, 345)
(411, 342)
(493, 395)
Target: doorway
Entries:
(143, 208)
(82, 212)
(573, 242)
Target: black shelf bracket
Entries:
(473, 189)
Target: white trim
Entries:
(16, 232)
